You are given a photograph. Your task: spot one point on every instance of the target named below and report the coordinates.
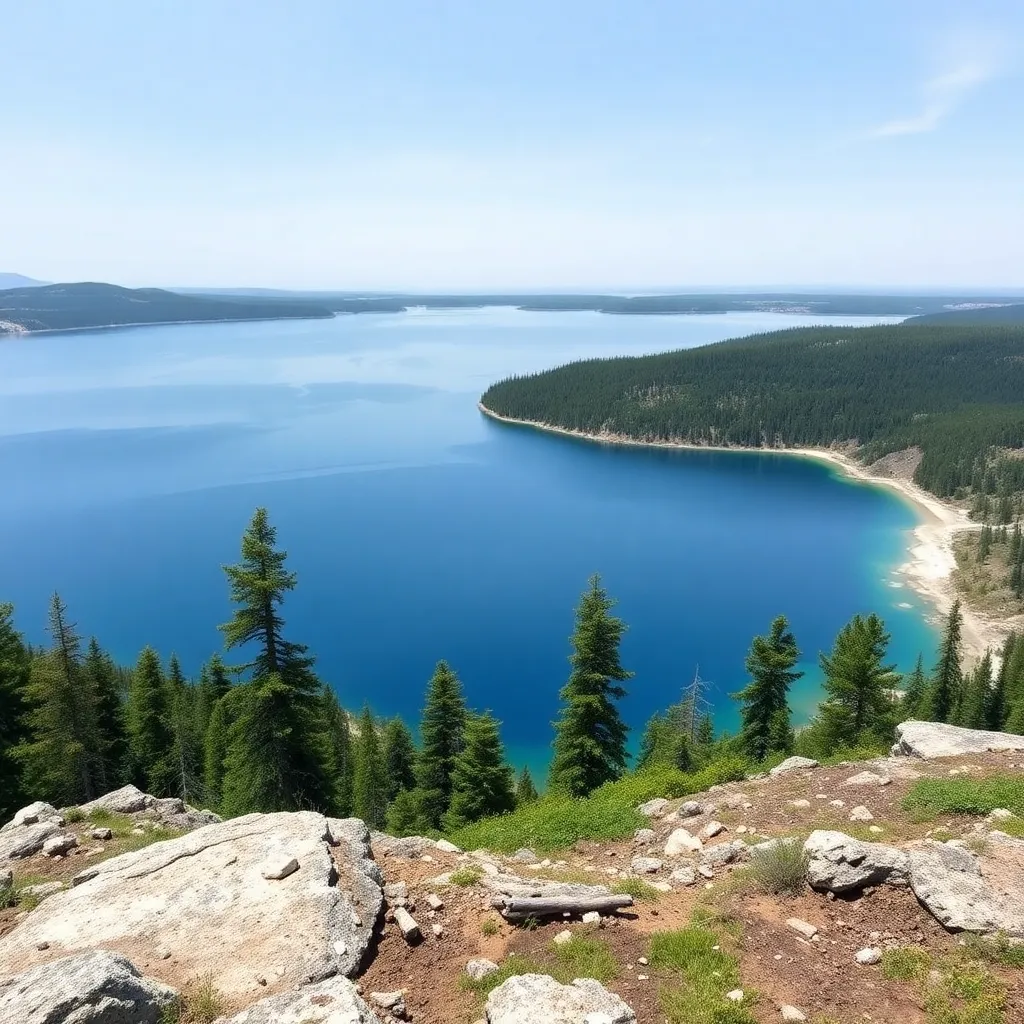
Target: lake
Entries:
(132, 460)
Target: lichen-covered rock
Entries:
(202, 897)
(479, 968)
(126, 800)
(89, 988)
(654, 808)
(26, 832)
(723, 853)
(645, 865)
(936, 739)
(334, 1001)
(837, 862)
(793, 763)
(948, 882)
(532, 998)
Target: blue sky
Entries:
(557, 144)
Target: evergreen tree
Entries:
(150, 734)
(590, 736)
(14, 677)
(404, 814)
(442, 730)
(765, 714)
(399, 758)
(665, 741)
(370, 787)
(526, 791)
(186, 752)
(340, 755)
(995, 706)
(63, 757)
(282, 685)
(706, 731)
(213, 684)
(857, 684)
(215, 745)
(915, 696)
(482, 783)
(1013, 668)
(947, 682)
(977, 694)
(105, 683)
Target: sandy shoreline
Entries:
(930, 567)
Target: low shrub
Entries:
(73, 815)
(905, 963)
(466, 876)
(202, 1003)
(781, 868)
(928, 798)
(640, 890)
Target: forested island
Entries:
(954, 393)
(64, 307)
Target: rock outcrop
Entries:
(531, 998)
(89, 988)
(26, 832)
(948, 882)
(171, 811)
(203, 899)
(334, 1001)
(837, 862)
(935, 739)
(792, 763)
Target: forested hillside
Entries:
(955, 392)
(61, 307)
(1008, 314)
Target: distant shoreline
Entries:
(6, 335)
(930, 567)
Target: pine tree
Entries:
(399, 758)
(857, 683)
(110, 716)
(213, 684)
(442, 730)
(665, 740)
(482, 783)
(14, 678)
(340, 755)
(526, 791)
(150, 735)
(282, 685)
(1013, 668)
(765, 714)
(977, 694)
(370, 787)
(215, 745)
(186, 745)
(706, 731)
(947, 682)
(915, 696)
(63, 757)
(590, 736)
(995, 706)
(404, 814)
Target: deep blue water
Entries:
(132, 460)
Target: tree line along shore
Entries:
(271, 735)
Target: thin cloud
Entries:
(941, 96)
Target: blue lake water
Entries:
(132, 460)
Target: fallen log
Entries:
(519, 908)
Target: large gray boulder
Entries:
(26, 832)
(203, 898)
(126, 800)
(89, 988)
(837, 862)
(936, 739)
(531, 998)
(947, 880)
(334, 1001)
(792, 764)
(170, 811)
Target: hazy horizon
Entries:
(460, 147)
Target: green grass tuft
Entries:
(584, 956)
(905, 963)
(466, 876)
(956, 990)
(514, 964)
(928, 798)
(641, 891)
(556, 822)
(490, 926)
(780, 869)
(72, 815)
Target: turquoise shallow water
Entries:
(132, 460)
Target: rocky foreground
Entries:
(131, 908)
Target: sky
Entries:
(549, 144)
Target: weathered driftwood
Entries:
(518, 908)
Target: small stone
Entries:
(654, 808)
(393, 1002)
(645, 865)
(42, 945)
(735, 996)
(642, 961)
(791, 1013)
(279, 866)
(591, 917)
(867, 779)
(800, 805)
(705, 871)
(861, 814)
(407, 925)
(808, 931)
(446, 847)
(690, 809)
(434, 901)
(437, 929)
(395, 891)
(684, 874)
(644, 836)
(562, 937)
(868, 955)
(642, 977)
(480, 968)
(876, 829)
(103, 834)
(711, 829)
(682, 841)
(57, 846)
(524, 855)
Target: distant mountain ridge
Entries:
(10, 280)
(65, 307)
